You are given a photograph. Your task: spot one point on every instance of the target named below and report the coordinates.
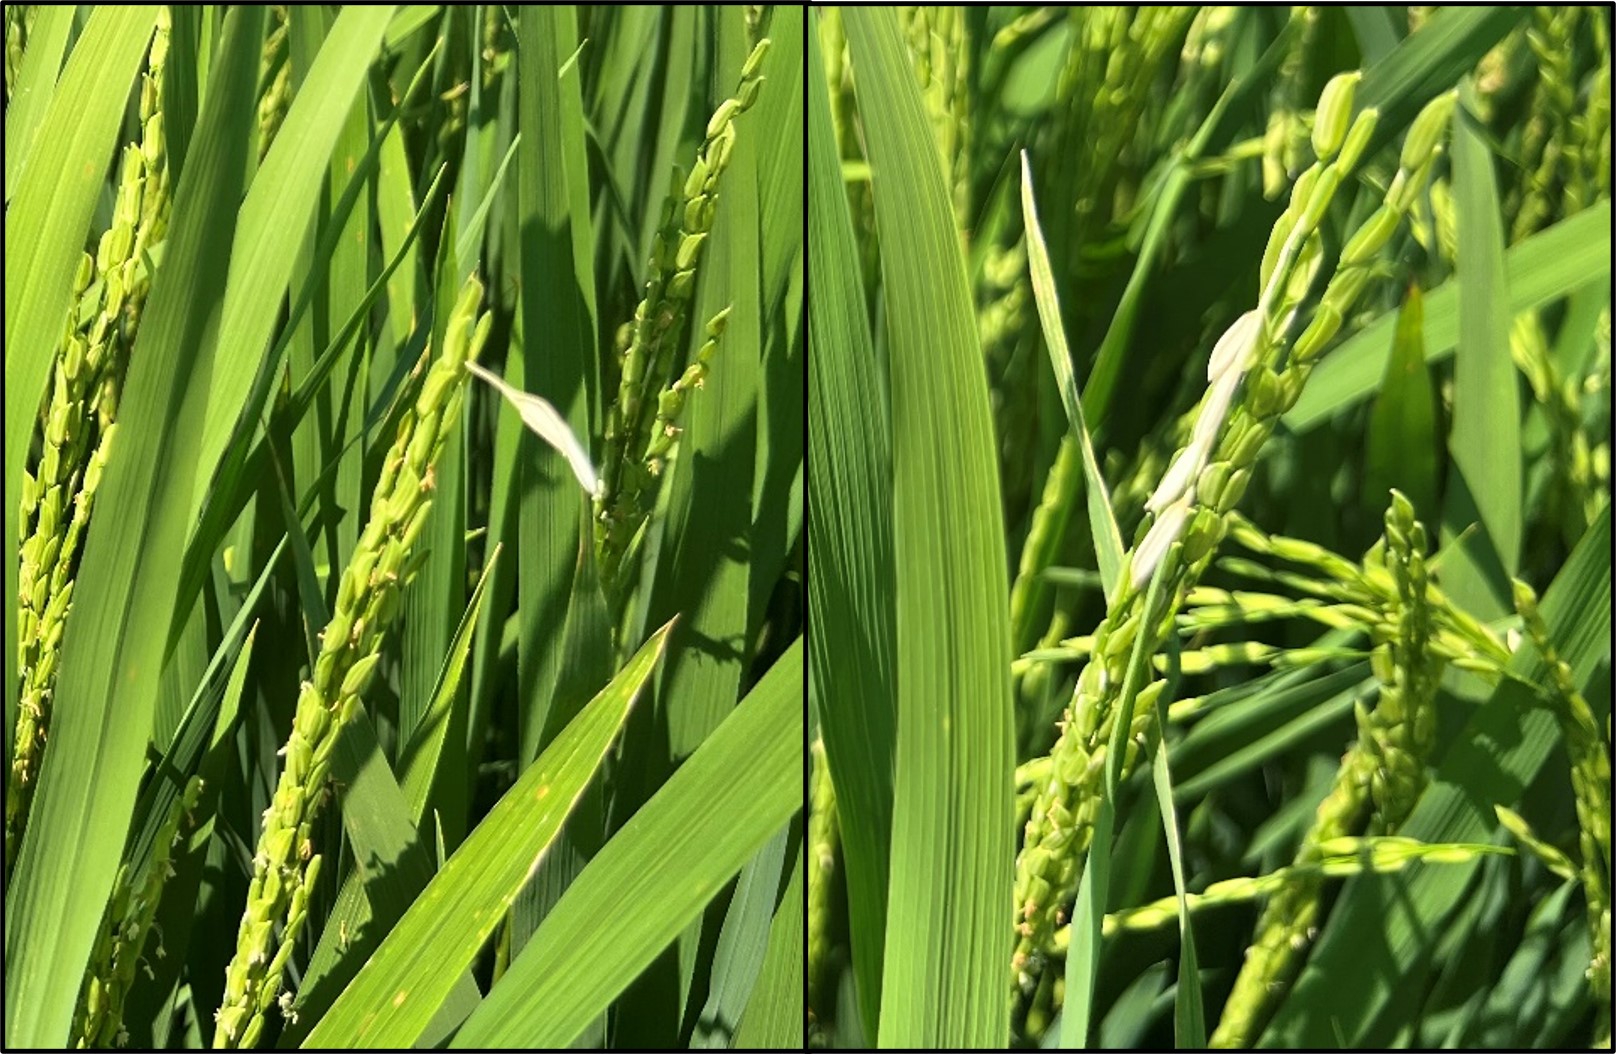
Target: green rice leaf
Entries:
(774, 1015)
(1486, 398)
(391, 1001)
(1402, 449)
(946, 927)
(1540, 270)
(677, 851)
(1428, 63)
(742, 944)
(558, 309)
(274, 217)
(107, 691)
(850, 590)
(36, 86)
(1108, 545)
(1189, 1013)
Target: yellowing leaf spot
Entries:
(398, 1000)
(542, 792)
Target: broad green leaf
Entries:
(157, 987)
(1486, 437)
(1402, 447)
(217, 705)
(619, 108)
(677, 852)
(183, 83)
(1376, 33)
(774, 1015)
(419, 757)
(437, 595)
(410, 19)
(1423, 65)
(35, 87)
(1283, 712)
(1135, 1009)
(1108, 544)
(395, 205)
(1540, 270)
(780, 162)
(243, 461)
(777, 521)
(1088, 914)
(947, 928)
(107, 691)
(314, 466)
(340, 412)
(742, 942)
(1577, 339)
(1515, 1010)
(558, 325)
(503, 508)
(586, 664)
(396, 994)
(671, 128)
(850, 590)
(272, 220)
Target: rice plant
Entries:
(404, 452)
(1199, 401)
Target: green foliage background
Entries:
(956, 521)
(333, 179)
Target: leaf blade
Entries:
(945, 930)
(712, 815)
(395, 996)
(1108, 544)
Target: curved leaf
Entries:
(396, 994)
(673, 855)
(948, 928)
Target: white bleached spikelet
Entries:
(1186, 466)
(1230, 359)
(544, 419)
(1162, 534)
(1234, 348)
(1214, 410)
